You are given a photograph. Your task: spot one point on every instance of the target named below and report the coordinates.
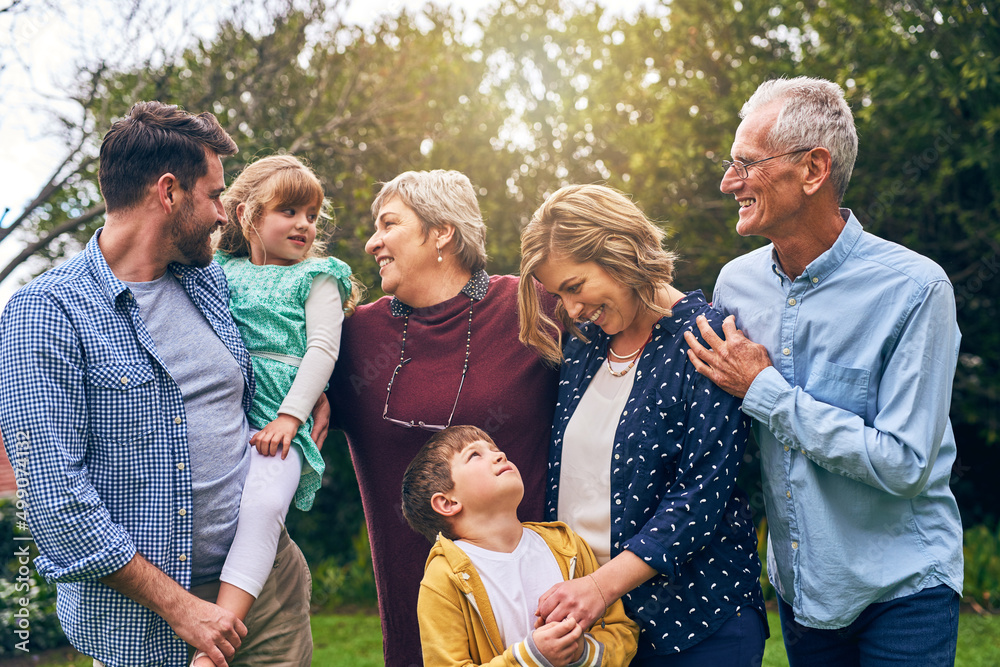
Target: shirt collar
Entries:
(820, 268)
(681, 312)
(475, 289)
(112, 287)
(109, 285)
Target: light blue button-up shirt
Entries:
(852, 420)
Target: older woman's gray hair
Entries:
(442, 197)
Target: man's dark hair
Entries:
(430, 472)
(152, 140)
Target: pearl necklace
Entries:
(634, 356)
(625, 357)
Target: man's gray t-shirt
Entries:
(211, 384)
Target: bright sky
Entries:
(49, 42)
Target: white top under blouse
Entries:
(585, 478)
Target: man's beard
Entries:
(191, 238)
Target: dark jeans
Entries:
(919, 630)
(739, 642)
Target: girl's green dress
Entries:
(268, 304)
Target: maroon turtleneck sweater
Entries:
(507, 392)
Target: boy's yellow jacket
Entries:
(457, 627)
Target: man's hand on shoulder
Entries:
(731, 362)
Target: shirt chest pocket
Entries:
(121, 400)
(841, 386)
(655, 443)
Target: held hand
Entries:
(321, 420)
(561, 643)
(208, 628)
(576, 598)
(276, 435)
(733, 362)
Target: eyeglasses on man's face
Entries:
(742, 168)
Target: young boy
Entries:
(486, 570)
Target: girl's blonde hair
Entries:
(589, 223)
(271, 183)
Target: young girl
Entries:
(289, 306)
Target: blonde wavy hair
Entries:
(274, 182)
(589, 223)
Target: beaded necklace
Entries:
(635, 357)
(403, 361)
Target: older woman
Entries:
(442, 350)
(645, 451)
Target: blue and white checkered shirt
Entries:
(88, 405)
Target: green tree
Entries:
(549, 92)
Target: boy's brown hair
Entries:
(430, 472)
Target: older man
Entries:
(123, 384)
(849, 384)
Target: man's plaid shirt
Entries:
(87, 404)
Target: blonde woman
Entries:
(645, 451)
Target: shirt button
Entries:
(786, 449)
(788, 494)
(182, 558)
(791, 302)
(125, 380)
(177, 420)
(815, 280)
(182, 511)
(180, 466)
(786, 351)
(795, 545)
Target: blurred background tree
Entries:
(530, 95)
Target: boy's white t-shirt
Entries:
(515, 581)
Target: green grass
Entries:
(355, 640)
(339, 640)
(347, 641)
